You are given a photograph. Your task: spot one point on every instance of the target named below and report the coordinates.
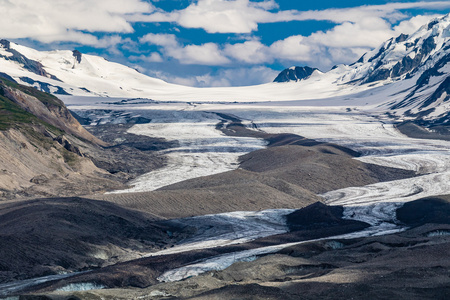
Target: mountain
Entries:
(44, 151)
(406, 76)
(73, 73)
(415, 69)
(396, 59)
(46, 108)
(295, 74)
(423, 58)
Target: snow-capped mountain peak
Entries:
(295, 74)
(412, 70)
(407, 75)
(70, 72)
(403, 56)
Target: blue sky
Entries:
(214, 42)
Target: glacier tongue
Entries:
(203, 150)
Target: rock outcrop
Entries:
(295, 74)
(42, 148)
(47, 108)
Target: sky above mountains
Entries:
(214, 42)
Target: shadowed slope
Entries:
(47, 236)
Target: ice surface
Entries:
(203, 150)
(74, 287)
(221, 262)
(201, 146)
(357, 125)
(230, 228)
(17, 286)
(380, 143)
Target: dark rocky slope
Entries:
(412, 264)
(145, 271)
(44, 151)
(294, 74)
(50, 236)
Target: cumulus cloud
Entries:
(224, 77)
(293, 48)
(343, 43)
(216, 16)
(151, 58)
(164, 40)
(205, 54)
(243, 16)
(67, 20)
(250, 52)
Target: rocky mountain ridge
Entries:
(419, 64)
(44, 151)
(397, 58)
(295, 74)
(414, 69)
(43, 148)
(46, 108)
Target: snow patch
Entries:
(438, 233)
(75, 287)
(225, 229)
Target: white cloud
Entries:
(151, 58)
(205, 54)
(292, 48)
(217, 16)
(67, 20)
(250, 52)
(367, 33)
(154, 57)
(224, 77)
(240, 16)
(344, 43)
(164, 40)
(243, 16)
